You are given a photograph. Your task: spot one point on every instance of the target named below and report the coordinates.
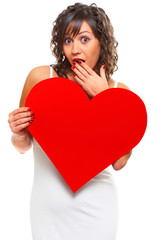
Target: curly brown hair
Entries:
(102, 28)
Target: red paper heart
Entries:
(82, 137)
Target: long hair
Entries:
(102, 28)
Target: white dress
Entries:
(56, 213)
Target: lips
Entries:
(78, 59)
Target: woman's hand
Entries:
(121, 162)
(20, 119)
(88, 79)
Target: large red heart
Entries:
(82, 137)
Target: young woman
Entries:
(84, 45)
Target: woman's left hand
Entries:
(88, 79)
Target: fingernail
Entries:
(104, 66)
(73, 67)
(74, 63)
(79, 62)
(32, 113)
(74, 75)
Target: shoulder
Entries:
(111, 83)
(36, 75)
(122, 85)
(39, 73)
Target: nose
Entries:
(75, 48)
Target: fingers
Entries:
(80, 74)
(19, 128)
(19, 110)
(20, 119)
(82, 70)
(81, 65)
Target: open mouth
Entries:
(76, 60)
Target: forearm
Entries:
(22, 143)
(121, 162)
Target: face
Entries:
(84, 46)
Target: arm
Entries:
(22, 143)
(22, 117)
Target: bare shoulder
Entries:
(122, 85)
(36, 75)
(111, 83)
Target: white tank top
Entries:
(58, 213)
(51, 75)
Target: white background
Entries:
(25, 37)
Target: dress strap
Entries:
(51, 71)
(115, 85)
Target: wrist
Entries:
(22, 142)
(20, 135)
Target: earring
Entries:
(63, 58)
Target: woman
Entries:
(85, 49)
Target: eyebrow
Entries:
(84, 32)
(79, 33)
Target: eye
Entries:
(85, 39)
(67, 41)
